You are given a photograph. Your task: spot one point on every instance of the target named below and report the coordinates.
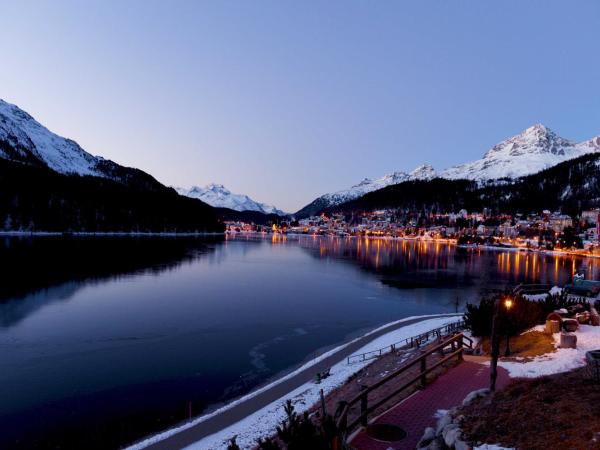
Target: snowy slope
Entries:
(535, 149)
(219, 196)
(24, 139)
(423, 172)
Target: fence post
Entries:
(460, 347)
(363, 407)
(343, 415)
(423, 369)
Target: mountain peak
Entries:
(536, 128)
(539, 132)
(423, 172)
(219, 196)
(532, 150)
(535, 140)
(216, 187)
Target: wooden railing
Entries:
(456, 343)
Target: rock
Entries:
(583, 317)
(554, 316)
(461, 445)
(472, 396)
(445, 420)
(451, 434)
(594, 317)
(568, 340)
(552, 326)
(436, 445)
(428, 436)
(570, 324)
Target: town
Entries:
(551, 231)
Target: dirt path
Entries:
(242, 410)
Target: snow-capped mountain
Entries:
(49, 183)
(535, 149)
(423, 172)
(219, 196)
(24, 139)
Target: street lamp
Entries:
(495, 339)
(508, 304)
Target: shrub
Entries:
(301, 432)
(554, 302)
(523, 315)
(478, 318)
(233, 445)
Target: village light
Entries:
(508, 303)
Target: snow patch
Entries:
(492, 447)
(563, 360)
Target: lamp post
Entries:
(495, 340)
(508, 304)
(495, 347)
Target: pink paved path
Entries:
(417, 412)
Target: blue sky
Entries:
(287, 100)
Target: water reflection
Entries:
(40, 270)
(105, 340)
(411, 263)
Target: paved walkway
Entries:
(417, 412)
(244, 409)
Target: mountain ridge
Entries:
(570, 187)
(533, 150)
(50, 183)
(219, 196)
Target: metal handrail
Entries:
(518, 289)
(411, 342)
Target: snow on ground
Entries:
(263, 422)
(475, 339)
(563, 360)
(538, 297)
(440, 413)
(535, 297)
(556, 290)
(492, 447)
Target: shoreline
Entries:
(264, 406)
(107, 233)
(447, 241)
(451, 242)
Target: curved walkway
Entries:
(418, 411)
(242, 410)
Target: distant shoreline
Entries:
(108, 233)
(447, 241)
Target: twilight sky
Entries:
(285, 100)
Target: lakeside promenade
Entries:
(189, 434)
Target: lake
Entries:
(104, 340)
